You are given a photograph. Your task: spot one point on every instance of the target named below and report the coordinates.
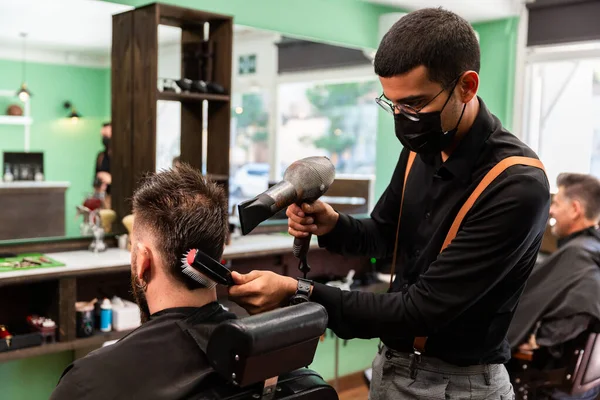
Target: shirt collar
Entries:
(591, 231)
(462, 160)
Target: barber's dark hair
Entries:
(584, 188)
(183, 210)
(438, 39)
(104, 125)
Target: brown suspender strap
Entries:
(419, 342)
(487, 179)
(409, 163)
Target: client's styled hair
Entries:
(183, 210)
(584, 188)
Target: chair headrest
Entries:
(259, 347)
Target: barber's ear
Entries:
(144, 262)
(468, 85)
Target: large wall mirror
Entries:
(291, 98)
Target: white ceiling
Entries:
(75, 25)
(471, 10)
(72, 31)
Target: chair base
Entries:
(302, 384)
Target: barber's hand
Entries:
(317, 218)
(260, 291)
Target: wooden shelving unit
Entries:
(191, 97)
(54, 295)
(92, 341)
(135, 93)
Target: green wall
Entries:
(32, 378)
(69, 149)
(498, 42)
(349, 22)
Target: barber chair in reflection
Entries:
(576, 372)
(264, 356)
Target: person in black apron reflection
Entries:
(103, 177)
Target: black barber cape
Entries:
(159, 360)
(562, 293)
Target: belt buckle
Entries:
(415, 359)
(417, 354)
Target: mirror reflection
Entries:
(55, 113)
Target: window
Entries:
(562, 115)
(337, 120)
(249, 160)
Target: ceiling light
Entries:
(23, 93)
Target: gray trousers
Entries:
(406, 376)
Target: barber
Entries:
(103, 177)
(458, 303)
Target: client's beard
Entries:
(139, 295)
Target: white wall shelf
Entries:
(10, 120)
(25, 121)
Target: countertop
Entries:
(114, 259)
(33, 185)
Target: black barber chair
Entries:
(263, 356)
(575, 372)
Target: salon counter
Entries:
(84, 262)
(53, 291)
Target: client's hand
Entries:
(260, 291)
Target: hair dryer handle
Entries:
(301, 246)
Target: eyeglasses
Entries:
(409, 112)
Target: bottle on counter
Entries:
(106, 316)
(39, 177)
(8, 176)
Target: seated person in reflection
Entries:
(562, 295)
(174, 211)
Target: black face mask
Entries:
(425, 136)
(106, 142)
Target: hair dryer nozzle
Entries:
(265, 205)
(253, 212)
(304, 181)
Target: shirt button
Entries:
(405, 287)
(428, 215)
(388, 355)
(417, 253)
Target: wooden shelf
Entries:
(10, 120)
(191, 97)
(217, 177)
(185, 17)
(58, 347)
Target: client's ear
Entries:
(144, 263)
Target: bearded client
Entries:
(160, 360)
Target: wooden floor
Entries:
(357, 393)
(351, 387)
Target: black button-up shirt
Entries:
(464, 298)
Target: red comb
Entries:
(191, 256)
